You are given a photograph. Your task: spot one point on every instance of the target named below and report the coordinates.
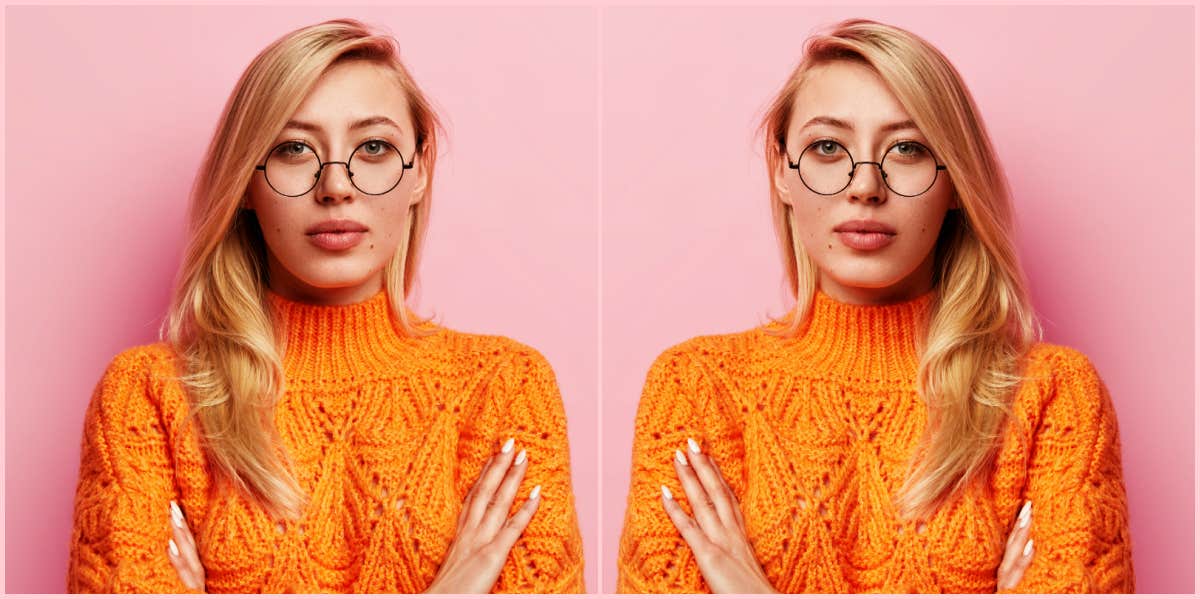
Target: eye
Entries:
(909, 149)
(292, 149)
(376, 147)
(825, 147)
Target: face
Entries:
(870, 244)
(330, 245)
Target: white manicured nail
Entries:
(508, 445)
(693, 446)
(679, 458)
(520, 458)
(1023, 517)
(173, 547)
(666, 492)
(536, 491)
(1028, 548)
(176, 515)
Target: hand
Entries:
(181, 550)
(1018, 552)
(717, 534)
(485, 533)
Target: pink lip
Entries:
(336, 234)
(865, 235)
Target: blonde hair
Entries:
(982, 321)
(219, 321)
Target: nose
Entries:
(333, 184)
(866, 183)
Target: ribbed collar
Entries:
(335, 343)
(864, 342)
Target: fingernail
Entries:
(1028, 548)
(508, 445)
(176, 515)
(1023, 517)
(173, 547)
(536, 491)
(693, 446)
(666, 492)
(679, 457)
(520, 458)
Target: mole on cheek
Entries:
(831, 246)
(372, 246)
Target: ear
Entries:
(779, 180)
(420, 187)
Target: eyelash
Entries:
(312, 146)
(889, 145)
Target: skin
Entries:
(901, 271)
(300, 271)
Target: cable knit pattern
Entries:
(387, 434)
(814, 434)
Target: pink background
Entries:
(1092, 113)
(109, 111)
(1091, 109)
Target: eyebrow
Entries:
(359, 124)
(828, 120)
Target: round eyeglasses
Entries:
(826, 167)
(375, 167)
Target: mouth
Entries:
(336, 235)
(865, 235)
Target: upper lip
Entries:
(864, 226)
(336, 226)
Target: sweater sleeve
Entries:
(652, 555)
(122, 516)
(1080, 519)
(523, 402)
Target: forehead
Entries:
(351, 90)
(849, 91)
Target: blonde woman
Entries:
(901, 429)
(299, 429)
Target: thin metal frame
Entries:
(321, 167)
(854, 167)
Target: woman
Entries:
(300, 430)
(901, 430)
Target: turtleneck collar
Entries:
(331, 343)
(866, 342)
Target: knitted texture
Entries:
(387, 435)
(814, 434)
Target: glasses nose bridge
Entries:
(879, 165)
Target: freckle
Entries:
(831, 246)
(278, 230)
(372, 246)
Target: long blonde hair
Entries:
(219, 322)
(982, 321)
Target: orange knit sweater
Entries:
(387, 434)
(814, 433)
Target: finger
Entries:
(466, 504)
(182, 549)
(1017, 539)
(514, 526)
(489, 479)
(692, 534)
(175, 556)
(502, 501)
(737, 508)
(702, 505)
(186, 543)
(713, 484)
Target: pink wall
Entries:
(109, 112)
(1091, 110)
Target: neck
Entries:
(865, 341)
(338, 342)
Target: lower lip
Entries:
(865, 241)
(337, 241)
